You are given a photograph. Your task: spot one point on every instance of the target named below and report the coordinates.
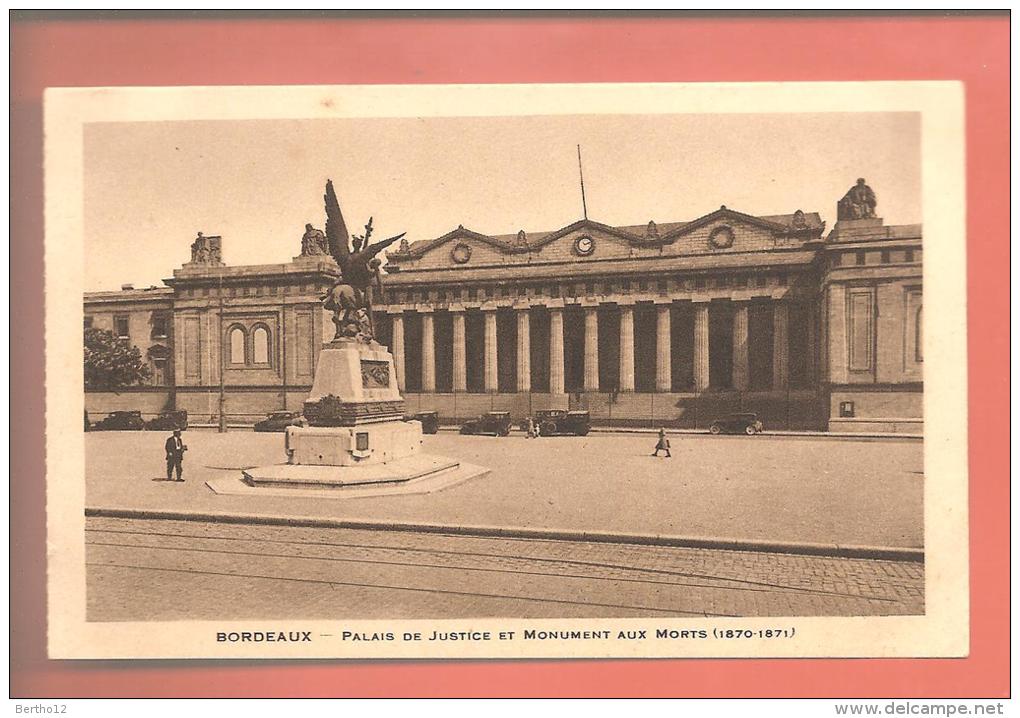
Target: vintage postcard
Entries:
(506, 371)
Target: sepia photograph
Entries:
(507, 371)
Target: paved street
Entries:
(796, 489)
(175, 570)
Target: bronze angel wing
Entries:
(336, 229)
(372, 250)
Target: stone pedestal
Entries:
(356, 439)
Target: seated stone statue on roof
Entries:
(858, 203)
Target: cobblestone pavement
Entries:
(172, 570)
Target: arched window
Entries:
(237, 345)
(260, 345)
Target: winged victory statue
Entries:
(350, 299)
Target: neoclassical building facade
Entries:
(670, 323)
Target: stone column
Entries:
(741, 366)
(811, 340)
(459, 352)
(397, 347)
(428, 354)
(591, 349)
(701, 372)
(663, 357)
(626, 347)
(780, 345)
(491, 358)
(556, 385)
(523, 350)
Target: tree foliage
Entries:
(111, 362)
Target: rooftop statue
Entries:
(313, 242)
(350, 299)
(858, 203)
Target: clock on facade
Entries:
(461, 253)
(721, 237)
(584, 245)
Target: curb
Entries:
(887, 553)
(777, 434)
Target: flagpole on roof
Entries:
(584, 204)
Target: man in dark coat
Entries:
(175, 449)
(663, 444)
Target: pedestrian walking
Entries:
(532, 434)
(663, 445)
(175, 449)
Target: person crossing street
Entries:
(663, 444)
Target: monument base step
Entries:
(420, 474)
(312, 476)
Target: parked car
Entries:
(429, 421)
(120, 421)
(737, 424)
(168, 421)
(280, 420)
(493, 422)
(558, 422)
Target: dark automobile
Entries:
(737, 424)
(279, 421)
(168, 421)
(120, 421)
(557, 422)
(429, 421)
(493, 422)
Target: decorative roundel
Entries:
(461, 253)
(584, 245)
(721, 237)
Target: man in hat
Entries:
(175, 449)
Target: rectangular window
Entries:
(760, 280)
(554, 290)
(885, 256)
(625, 285)
(160, 326)
(642, 285)
(504, 291)
(910, 255)
(441, 295)
(522, 290)
(782, 280)
(120, 326)
(88, 322)
(861, 259)
(699, 283)
(663, 285)
(589, 289)
(472, 294)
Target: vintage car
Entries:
(557, 422)
(737, 424)
(429, 421)
(493, 422)
(120, 421)
(280, 420)
(168, 421)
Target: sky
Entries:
(150, 187)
